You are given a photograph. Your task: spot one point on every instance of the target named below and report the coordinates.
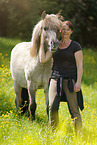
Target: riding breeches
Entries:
(54, 102)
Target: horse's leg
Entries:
(32, 102)
(18, 99)
(47, 101)
(25, 100)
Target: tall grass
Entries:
(19, 130)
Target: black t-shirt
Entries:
(64, 60)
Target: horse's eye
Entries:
(45, 28)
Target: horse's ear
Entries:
(59, 15)
(43, 15)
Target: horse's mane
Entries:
(36, 38)
(50, 22)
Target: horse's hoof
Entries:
(32, 118)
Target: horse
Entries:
(27, 72)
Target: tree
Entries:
(18, 17)
(3, 18)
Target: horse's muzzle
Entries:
(54, 45)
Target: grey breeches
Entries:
(54, 102)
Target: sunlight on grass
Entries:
(19, 130)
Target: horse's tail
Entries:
(36, 39)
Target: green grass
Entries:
(19, 130)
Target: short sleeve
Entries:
(77, 47)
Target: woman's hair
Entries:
(69, 24)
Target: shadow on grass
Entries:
(90, 78)
(89, 67)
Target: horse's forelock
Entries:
(52, 22)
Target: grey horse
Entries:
(27, 72)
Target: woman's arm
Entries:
(44, 57)
(79, 64)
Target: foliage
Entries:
(19, 130)
(18, 17)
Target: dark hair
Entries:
(69, 24)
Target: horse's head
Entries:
(50, 26)
(50, 39)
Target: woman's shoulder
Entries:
(75, 43)
(76, 46)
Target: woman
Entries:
(65, 81)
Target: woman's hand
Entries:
(77, 87)
(53, 50)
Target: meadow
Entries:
(19, 130)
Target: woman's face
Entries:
(66, 31)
